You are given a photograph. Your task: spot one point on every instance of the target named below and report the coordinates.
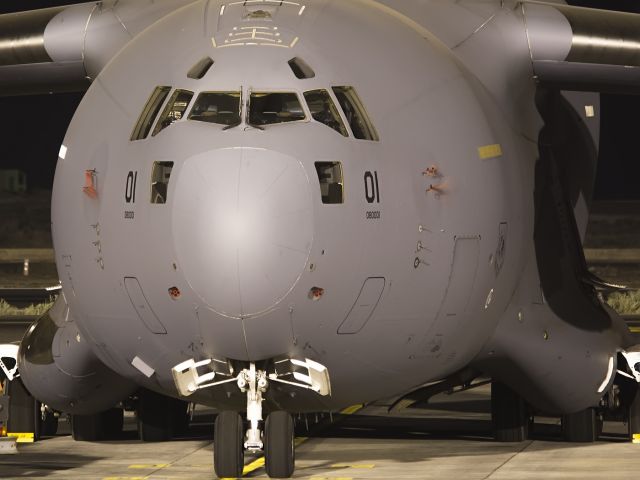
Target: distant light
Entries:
(295, 40)
(63, 152)
(590, 111)
(302, 10)
(222, 10)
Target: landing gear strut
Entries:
(278, 438)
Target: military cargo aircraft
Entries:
(274, 207)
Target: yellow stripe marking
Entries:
(253, 466)
(21, 437)
(490, 151)
(352, 409)
(356, 465)
(259, 463)
(634, 329)
(636, 438)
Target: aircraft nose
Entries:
(242, 227)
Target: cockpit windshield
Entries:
(355, 113)
(217, 107)
(174, 110)
(323, 110)
(266, 108)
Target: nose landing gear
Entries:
(277, 440)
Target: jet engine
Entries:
(59, 368)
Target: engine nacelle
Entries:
(59, 368)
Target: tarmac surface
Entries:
(449, 439)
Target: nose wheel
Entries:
(228, 448)
(279, 447)
(275, 436)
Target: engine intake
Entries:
(59, 368)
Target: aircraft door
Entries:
(463, 275)
(142, 307)
(453, 312)
(364, 306)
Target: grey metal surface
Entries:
(62, 49)
(470, 226)
(244, 236)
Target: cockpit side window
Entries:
(149, 113)
(323, 110)
(268, 108)
(355, 113)
(174, 110)
(160, 177)
(223, 108)
(331, 182)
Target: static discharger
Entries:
(437, 188)
(90, 184)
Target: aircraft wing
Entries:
(62, 49)
(575, 48)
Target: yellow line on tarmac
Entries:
(259, 463)
(253, 466)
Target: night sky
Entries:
(32, 128)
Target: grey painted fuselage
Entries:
(429, 265)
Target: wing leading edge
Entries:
(583, 49)
(62, 49)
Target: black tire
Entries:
(113, 423)
(634, 415)
(154, 417)
(279, 447)
(106, 425)
(582, 427)
(509, 414)
(87, 428)
(228, 448)
(24, 410)
(179, 416)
